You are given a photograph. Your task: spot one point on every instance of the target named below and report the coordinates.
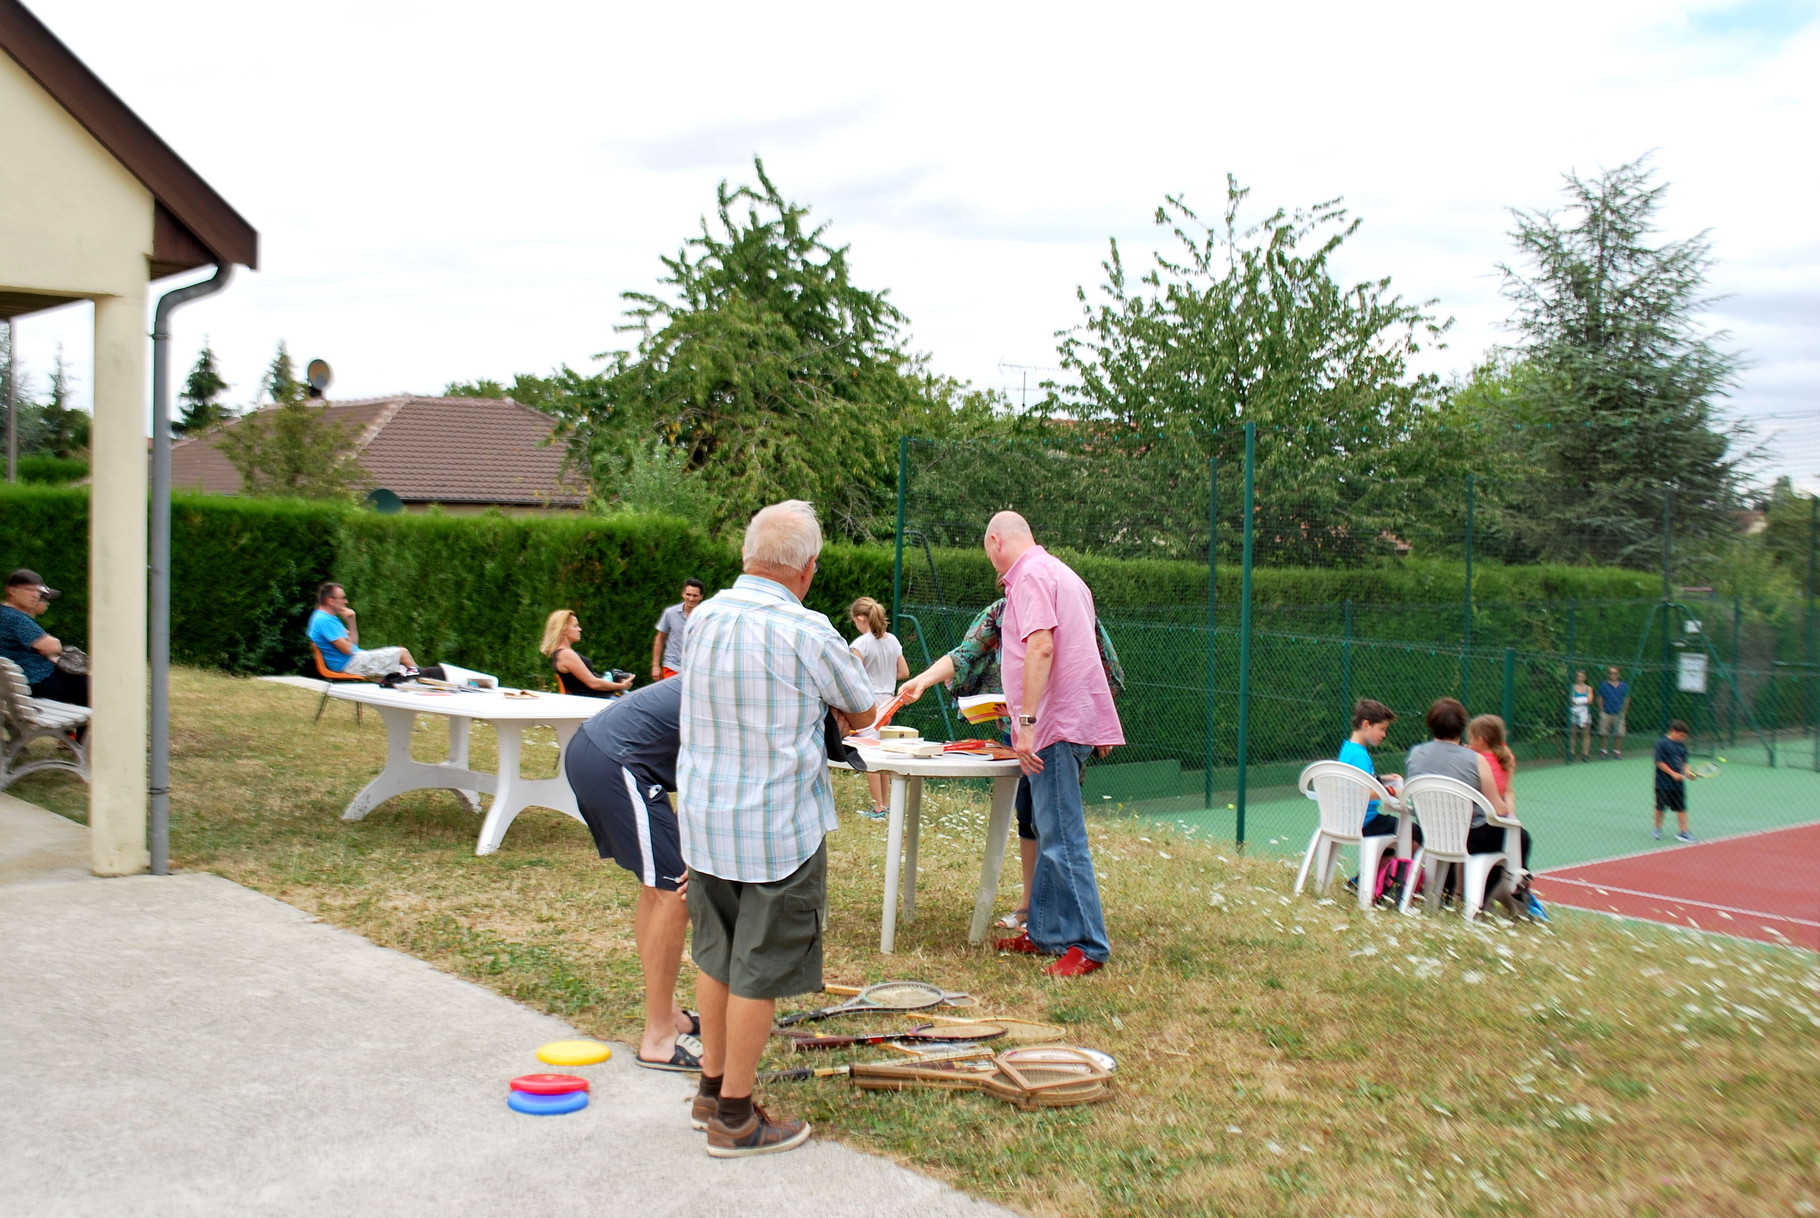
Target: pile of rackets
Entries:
(950, 1054)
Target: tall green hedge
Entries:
(475, 590)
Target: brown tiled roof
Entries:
(425, 450)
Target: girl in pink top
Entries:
(1485, 736)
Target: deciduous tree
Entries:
(290, 449)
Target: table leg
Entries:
(458, 759)
(507, 799)
(894, 848)
(398, 776)
(998, 829)
(913, 830)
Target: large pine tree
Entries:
(1620, 385)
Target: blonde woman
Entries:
(574, 671)
(883, 656)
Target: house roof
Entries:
(424, 450)
(192, 225)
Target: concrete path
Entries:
(185, 1046)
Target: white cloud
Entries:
(459, 191)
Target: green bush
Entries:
(46, 470)
(243, 579)
(46, 529)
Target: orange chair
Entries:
(330, 675)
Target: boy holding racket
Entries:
(1671, 780)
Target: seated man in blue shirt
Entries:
(25, 642)
(336, 635)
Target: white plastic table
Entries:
(907, 774)
(511, 791)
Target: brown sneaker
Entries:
(759, 1135)
(702, 1111)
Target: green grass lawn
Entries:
(1277, 1054)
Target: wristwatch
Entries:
(1026, 720)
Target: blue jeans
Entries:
(1064, 895)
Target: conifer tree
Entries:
(202, 390)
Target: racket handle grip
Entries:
(797, 1018)
(806, 1043)
(788, 1076)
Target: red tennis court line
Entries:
(1762, 885)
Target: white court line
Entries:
(1705, 841)
(1659, 896)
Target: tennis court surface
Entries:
(1760, 886)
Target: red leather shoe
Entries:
(1074, 964)
(1021, 943)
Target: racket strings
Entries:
(902, 995)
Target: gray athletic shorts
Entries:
(762, 940)
(375, 663)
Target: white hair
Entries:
(783, 535)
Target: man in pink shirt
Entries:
(1061, 711)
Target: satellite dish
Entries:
(318, 376)
(385, 502)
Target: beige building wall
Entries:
(76, 224)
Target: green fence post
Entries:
(1812, 676)
(897, 563)
(1573, 646)
(1466, 613)
(1213, 536)
(1346, 662)
(1737, 663)
(1244, 742)
(1666, 682)
(1509, 703)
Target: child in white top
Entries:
(883, 656)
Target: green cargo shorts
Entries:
(762, 940)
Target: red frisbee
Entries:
(549, 1084)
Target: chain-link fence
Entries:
(1250, 611)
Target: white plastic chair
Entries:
(1343, 792)
(24, 719)
(1444, 808)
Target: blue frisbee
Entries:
(547, 1105)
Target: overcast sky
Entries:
(454, 190)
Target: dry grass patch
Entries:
(1277, 1054)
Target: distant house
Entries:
(462, 454)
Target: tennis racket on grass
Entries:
(948, 1033)
(950, 998)
(885, 996)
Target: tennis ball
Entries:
(1231, 807)
(1722, 760)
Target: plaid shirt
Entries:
(752, 776)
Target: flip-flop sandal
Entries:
(685, 1057)
(694, 1022)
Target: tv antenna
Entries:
(1024, 371)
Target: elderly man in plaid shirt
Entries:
(756, 805)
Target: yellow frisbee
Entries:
(574, 1052)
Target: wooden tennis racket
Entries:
(950, 1033)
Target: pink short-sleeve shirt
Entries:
(1043, 593)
